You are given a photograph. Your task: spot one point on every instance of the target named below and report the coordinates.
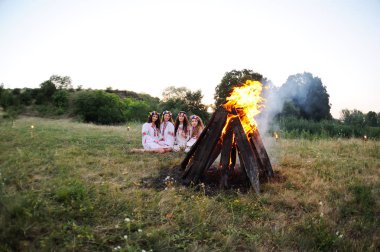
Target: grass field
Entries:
(71, 186)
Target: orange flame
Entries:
(247, 102)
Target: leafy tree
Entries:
(136, 110)
(152, 102)
(99, 107)
(47, 90)
(173, 93)
(61, 82)
(6, 99)
(194, 105)
(308, 94)
(183, 99)
(353, 117)
(290, 110)
(16, 91)
(61, 99)
(26, 96)
(371, 119)
(233, 79)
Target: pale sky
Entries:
(148, 45)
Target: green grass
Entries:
(73, 186)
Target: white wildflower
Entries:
(127, 219)
(125, 237)
(139, 230)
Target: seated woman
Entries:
(181, 131)
(196, 130)
(167, 130)
(151, 135)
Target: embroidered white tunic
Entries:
(180, 141)
(150, 136)
(192, 140)
(167, 134)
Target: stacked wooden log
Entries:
(231, 143)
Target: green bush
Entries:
(26, 97)
(12, 112)
(46, 92)
(136, 110)
(61, 99)
(99, 107)
(7, 99)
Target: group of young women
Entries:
(165, 135)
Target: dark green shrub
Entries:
(99, 107)
(61, 99)
(6, 99)
(26, 97)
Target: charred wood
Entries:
(263, 155)
(246, 153)
(205, 147)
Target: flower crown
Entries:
(183, 112)
(167, 112)
(153, 113)
(193, 117)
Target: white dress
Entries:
(192, 140)
(180, 141)
(167, 134)
(150, 137)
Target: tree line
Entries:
(56, 97)
(302, 98)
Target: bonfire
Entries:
(232, 132)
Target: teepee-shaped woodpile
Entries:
(225, 135)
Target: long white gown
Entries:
(167, 134)
(180, 141)
(150, 137)
(192, 140)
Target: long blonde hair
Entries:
(163, 115)
(199, 128)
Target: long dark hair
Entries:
(185, 122)
(158, 119)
